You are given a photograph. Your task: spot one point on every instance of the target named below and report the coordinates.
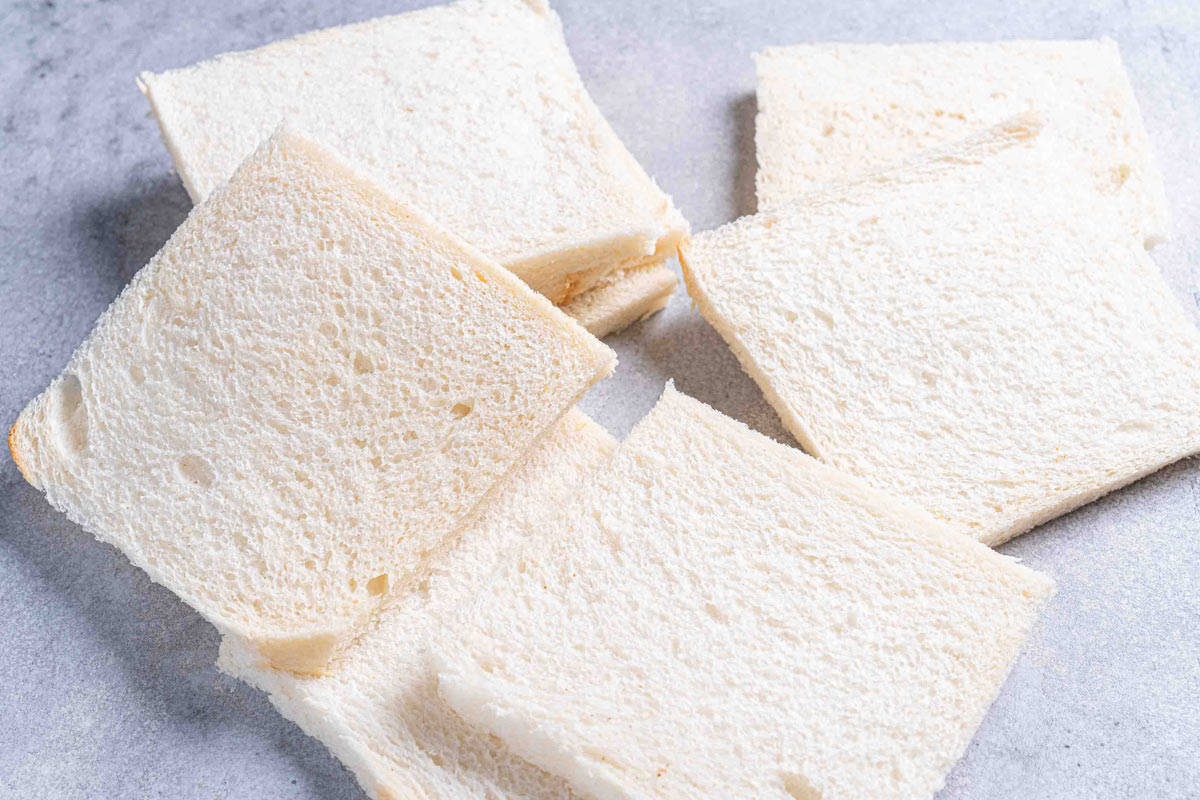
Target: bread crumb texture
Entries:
(974, 331)
(720, 615)
(299, 400)
(474, 110)
(827, 112)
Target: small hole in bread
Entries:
(362, 363)
(378, 585)
(136, 374)
(799, 787)
(196, 470)
(460, 410)
(457, 275)
(1121, 174)
(72, 418)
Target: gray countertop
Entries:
(107, 688)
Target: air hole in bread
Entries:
(799, 787)
(460, 410)
(136, 374)
(329, 329)
(457, 275)
(72, 419)
(362, 363)
(196, 470)
(716, 613)
(347, 276)
(378, 585)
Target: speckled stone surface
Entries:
(107, 688)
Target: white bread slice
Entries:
(623, 298)
(378, 709)
(474, 109)
(974, 331)
(827, 112)
(719, 615)
(295, 405)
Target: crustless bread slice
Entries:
(974, 331)
(378, 709)
(719, 615)
(297, 403)
(474, 110)
(827, 112)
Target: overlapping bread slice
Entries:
(622, 298)
(474, 110)
(974, 331)
(827, 112)
(299, 401)
(378, 709)
(719, 615)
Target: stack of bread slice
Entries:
(476, 112)
(720, 615)
(291, 411)
(977, 330)
(336, 413)
(378, 709)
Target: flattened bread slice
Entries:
(474, 110)
(974, 331)
(378, 709)
(719, 615)
(827, 112)
(299, 401)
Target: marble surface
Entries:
(107, 687)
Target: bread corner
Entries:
(22, 467)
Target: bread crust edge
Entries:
(15, 452)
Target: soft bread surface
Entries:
(378, 709)
(719, 615)
(827, 112)
(296, 404)
(474, 110)
(974, 331)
